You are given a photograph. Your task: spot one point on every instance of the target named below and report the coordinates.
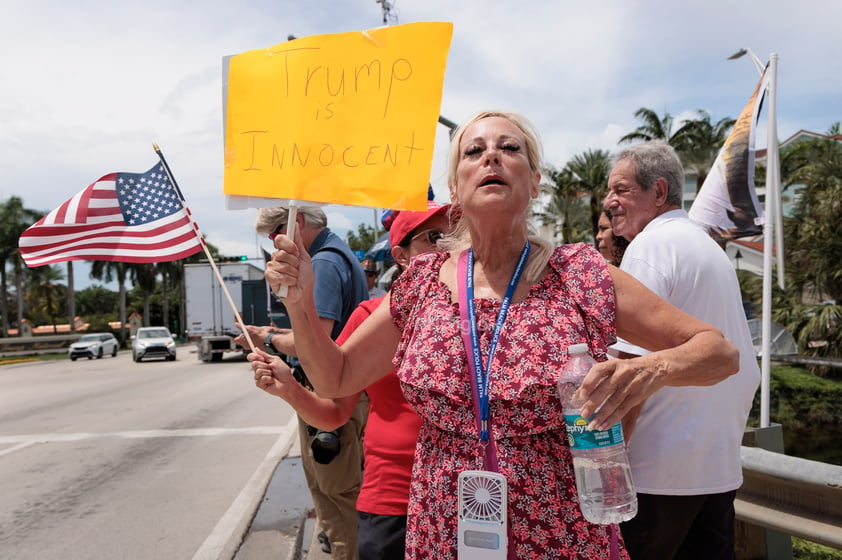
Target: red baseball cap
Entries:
(406, 222)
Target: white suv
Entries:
(93, 345)
(153, 342)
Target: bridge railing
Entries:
(791, 495)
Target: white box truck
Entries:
(210, 319)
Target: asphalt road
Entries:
(111, 459)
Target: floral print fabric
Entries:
(573, 303)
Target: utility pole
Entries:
(388, 11)
(388, 15)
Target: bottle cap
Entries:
(581, 348)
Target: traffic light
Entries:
(241, 258)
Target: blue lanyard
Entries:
(481, 372)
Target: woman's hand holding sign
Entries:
(290, 266)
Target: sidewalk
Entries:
(283, 526)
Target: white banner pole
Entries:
(772, 173)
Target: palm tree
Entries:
(814, 244)
(46, 292)
(170, 276)
(814, 241)
(71, 298)
(701, 142)
(7, 248)
(655, 127)
(108, 270)
(589, 174)
(564, 209)
(144, 277)
(14, 219)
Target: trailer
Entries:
(210, 319)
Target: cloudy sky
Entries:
(86, 87)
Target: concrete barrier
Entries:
(42, 344)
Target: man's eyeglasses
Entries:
(431, 236)
(277, 232)
(371, 273)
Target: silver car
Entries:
(153, 342)
(93, 345)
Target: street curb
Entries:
(278, 526)
(228, 536)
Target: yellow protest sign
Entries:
(347, 118)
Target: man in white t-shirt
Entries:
(685, 446)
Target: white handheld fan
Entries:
(482, 516)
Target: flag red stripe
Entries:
(99, 255)
(87, 249)
(43, 233)
(45, 243)
(58, 238)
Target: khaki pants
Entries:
(334, 487)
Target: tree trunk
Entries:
(700, 180)
(19, 289)
(595, 205)
(146, 318)
(122, 279)
(182, 312)
(71, 298)
(165, 299)
(51, 309)
(4, 299)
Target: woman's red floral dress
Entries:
(573, 303)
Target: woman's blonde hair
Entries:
(460, 237)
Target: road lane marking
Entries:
(141, 434)
(23, 445)
(235, 521)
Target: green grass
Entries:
(32, 358)
(806, 550)
(805, 405)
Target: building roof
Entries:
(798, 137)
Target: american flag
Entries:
(122, 217)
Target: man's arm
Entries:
(274, 339)
(685, 351)
(284, 342)
(334, 371)
(275, 377)
(630, 419)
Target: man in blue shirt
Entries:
(340, 286)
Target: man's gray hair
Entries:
(653, 160)
(269, 219)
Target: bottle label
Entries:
(579, 437)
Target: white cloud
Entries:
(87, 87)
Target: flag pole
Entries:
(773, 172)
(291, 223)
(771, 211)
(204, 246)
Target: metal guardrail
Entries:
(791, 495)
(41, 344)
(800, 360)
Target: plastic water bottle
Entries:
(603, 476)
